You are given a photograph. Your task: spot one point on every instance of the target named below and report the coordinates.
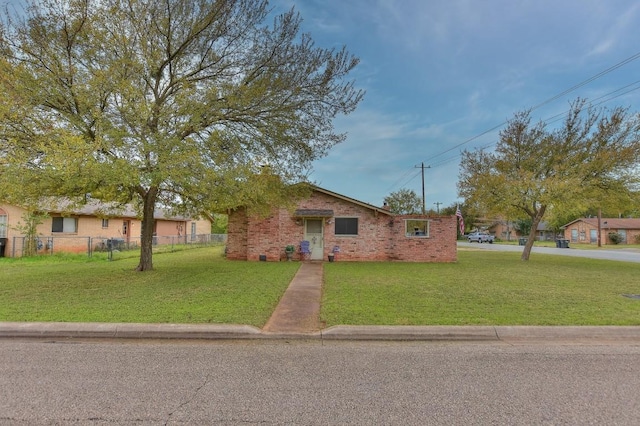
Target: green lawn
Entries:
(483, 288)
(192, 286)
(200, 286)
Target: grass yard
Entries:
(483, 288)
(200, 286)
(192, 286)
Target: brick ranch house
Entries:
(347, 228)
(585, 230)
(88, 228)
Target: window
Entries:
(193, 231)
(64, 224)
(574, 235)
(346, 226)
(105, 223)
(3, 225)
(416, 228)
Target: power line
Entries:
(557, 117)
(549, 120)
(553, 98)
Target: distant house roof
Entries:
(543, 226)
(609, 222)
(103, 209)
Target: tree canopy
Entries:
(590, 160)
(404, 201)
(172, 103)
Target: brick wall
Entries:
(237, 235)
(381, 237)
(439, 246)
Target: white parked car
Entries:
(480, 237)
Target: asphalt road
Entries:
(316, 383)
(624, 255)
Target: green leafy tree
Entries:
(404, 201)
(171, 103)
(523, 226)
(29, 229)
(219, 224)
(590, 160)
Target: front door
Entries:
(313, 234)
(126, 231)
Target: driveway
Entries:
(623, 255)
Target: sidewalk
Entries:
(297, 317)
(299, 309)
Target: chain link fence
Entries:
(89, 245)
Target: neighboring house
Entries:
(544, 232)
(585, 230)
(89, 227)
(506, 230)
(339, 225)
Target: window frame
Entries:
(421, 233)
(60, 228)
(4, 225)
(348, 226)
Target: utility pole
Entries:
(438, 206)
(421, 166)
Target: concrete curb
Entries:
(588, 333)
(127, 330)
(485, 333)
(401, 332)
(342, 332)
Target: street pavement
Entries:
(623, 255)
(297, 317)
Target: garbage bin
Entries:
(3, 246)
(564, 243)
(558, 244)
(522, 241)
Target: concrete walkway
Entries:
(299, 308)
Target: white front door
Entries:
(313, 234)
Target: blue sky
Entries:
(440, 73)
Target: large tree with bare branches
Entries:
(172, 103)
(590, 160)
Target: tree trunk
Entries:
(146, 236)
(535, 221)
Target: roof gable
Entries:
(352, 200)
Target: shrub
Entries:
(615, 237)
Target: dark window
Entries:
(346, 226)
(57, 224)
(64, 224)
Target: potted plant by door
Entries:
(332, 255)
(289, 250)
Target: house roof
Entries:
(102, 209)
(609, 222)
(352, 200)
